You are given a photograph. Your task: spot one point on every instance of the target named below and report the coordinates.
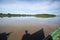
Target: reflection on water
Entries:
(18, 25)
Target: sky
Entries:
(30, 6)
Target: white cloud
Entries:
(23, 7)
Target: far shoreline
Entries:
(23, 15)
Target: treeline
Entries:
(4, 15)
(35, 15)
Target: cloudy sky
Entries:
(30, 6)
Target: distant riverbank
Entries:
(18, 15)
(45, 15)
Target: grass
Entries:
(45, 15)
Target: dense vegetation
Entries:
(45, 15)
(36, 15)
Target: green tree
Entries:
(1, 13)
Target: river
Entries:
(18, 25)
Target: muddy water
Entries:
(18, 25)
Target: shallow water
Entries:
(18, 25)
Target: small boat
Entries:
(54, 36)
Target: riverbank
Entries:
(36, 15)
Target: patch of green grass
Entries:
(45, 15)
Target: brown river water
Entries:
(17, 26)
